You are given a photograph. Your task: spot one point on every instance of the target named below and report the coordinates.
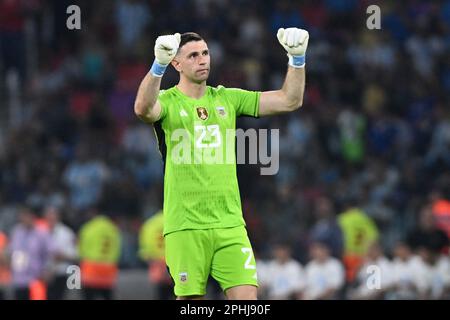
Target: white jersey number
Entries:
(249, 252)
(211, 133)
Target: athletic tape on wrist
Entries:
(158, 69)
(297, 61)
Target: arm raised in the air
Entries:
(146, 105)
(290, 96)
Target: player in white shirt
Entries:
(407, 273)
(64, 253)
(324, 274)
(434, 279)
(283, 276)
(375, 277)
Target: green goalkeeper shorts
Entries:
(225, 254)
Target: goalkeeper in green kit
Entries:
(204, 230)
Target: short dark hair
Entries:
(188, 37)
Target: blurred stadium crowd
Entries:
(364, 165)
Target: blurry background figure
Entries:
(327, 229)
(359, 232)
(427, 233)
(430, 243)
(375, 277)
(325, 275)
(434, 280)
(440, 206)
(5, 274)
(99, 252)
(407, 273)
(64, 253)
(151, 250)
(132, 17)
(283, 276)
(12, 32)
(46, 196)
(31, 250)
(85, 178)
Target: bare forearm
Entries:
(290, 97)
(147, 97)
(287, 99)
(294, 86)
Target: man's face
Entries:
(281, 253)
(26, 218)
(323, 207)
(51, 216)
(319, 252)
(193, 61)
(402, 251)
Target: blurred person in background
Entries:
(12, 34)
(151, 250)
(99, 253)
(30, 254)
(326, 228)
(375, 277)
(440, 206)
(407, 271)
(45, 195)
(132, 17)
(324, 274)
(359, 231)
(64, 253)
(5, 274)
(434, 280)
(439, 149)
(283, 276)
(426, 231)
(85, 178)
(352, 125)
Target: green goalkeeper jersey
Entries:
(196, 139)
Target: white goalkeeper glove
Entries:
(166, 48)
(295, 42)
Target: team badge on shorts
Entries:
(202, 113)
(183, 277)
(221, 111)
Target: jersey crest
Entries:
(202, 113)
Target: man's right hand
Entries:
(166, 48)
